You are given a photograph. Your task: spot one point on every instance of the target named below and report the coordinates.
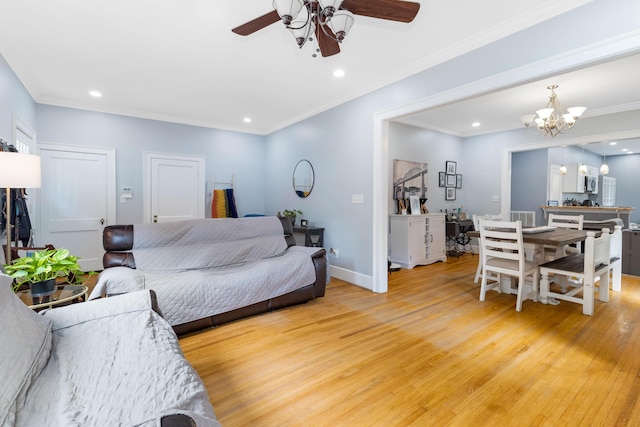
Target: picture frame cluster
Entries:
(450, 180)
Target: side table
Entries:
(313, 236)
(61, 295)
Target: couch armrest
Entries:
(319, 258)
(322, 271)
(73, 314)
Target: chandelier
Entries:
(303, 17)
(551, 121)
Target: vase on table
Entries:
(42, 288)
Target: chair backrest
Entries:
(615, 242)
(502, 240)
(567, 221)
(596, 252)
(476, 219)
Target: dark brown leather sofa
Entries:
(118, 243)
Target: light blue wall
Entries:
(14, 101)
(342, 138)
(337, 142)
(626, 170)
(225, 152)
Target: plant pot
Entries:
(43, 288)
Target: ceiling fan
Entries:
(329, 20)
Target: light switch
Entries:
(495, 198)
(357, 198)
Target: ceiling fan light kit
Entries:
(329, 20)
(551, 121)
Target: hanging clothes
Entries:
(20, 219)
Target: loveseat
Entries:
(109, 362)
(210, 271)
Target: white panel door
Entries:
(174, 187)
(77, 200)
(555, 184)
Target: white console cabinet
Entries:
(417, 239)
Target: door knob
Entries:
(101, 221)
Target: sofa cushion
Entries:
(25, 345)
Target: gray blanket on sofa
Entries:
(200, 268)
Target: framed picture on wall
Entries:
(451, 180)
(442, 177)
(450, 193)
(450, 167)
(458, 181)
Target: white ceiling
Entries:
(178, 61)
(604, 88)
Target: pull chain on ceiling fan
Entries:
(330, 20)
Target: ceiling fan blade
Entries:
(327, 45)
(257, 24)
(393, 10)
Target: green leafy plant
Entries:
(291, 213)
(45, 265)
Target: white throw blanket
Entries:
(119, 366)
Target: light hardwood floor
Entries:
(427, 353)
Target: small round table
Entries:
(61, 295)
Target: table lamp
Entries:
(17, 170)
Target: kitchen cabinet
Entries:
(631, 252)
(574, 181)
(416, 239)
(437, 238)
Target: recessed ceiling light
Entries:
(475, 124)
(625, 149)
(338, 73)
(629, 152)
(95, 94)
(613, 143)
(247, 120)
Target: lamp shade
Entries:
(19, 170)
(341, 23)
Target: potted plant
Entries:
(291, 214)
(41, 269)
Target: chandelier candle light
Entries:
(551, 121)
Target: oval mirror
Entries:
(303, 178)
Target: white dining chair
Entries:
(615, 259)
(590, 267)
(575, 222)
(476, 226)
(503, 253)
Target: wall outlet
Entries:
(334, 252)
(495, 198)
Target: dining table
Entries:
(557, 237)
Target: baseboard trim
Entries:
(352, 277)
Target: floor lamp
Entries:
(17, 170)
